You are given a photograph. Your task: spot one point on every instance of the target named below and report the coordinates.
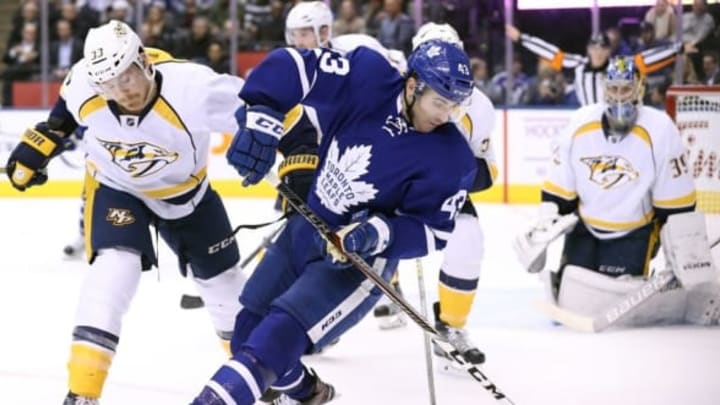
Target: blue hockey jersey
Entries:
(370, 156)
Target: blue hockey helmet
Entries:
(623, 88)
(444, 68)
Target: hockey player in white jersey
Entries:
(618, 177)
(147, 144)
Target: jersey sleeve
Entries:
(560, 184)
(301, 72)
(426, 219)
(673, 190)
(477, 126)
(221, 101)
(654, 59)
(558, 59)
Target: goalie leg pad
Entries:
(703, 304)
(590, 293)
(587, 292)
(687, 250)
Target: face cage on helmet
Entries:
(622, 98)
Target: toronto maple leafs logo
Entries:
(610, 171)
(338, 186)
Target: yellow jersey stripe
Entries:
(292, 118)
(558, 191)
(590, 126)
(91, 105)
(493, 171)
(176, 190)
(643, 134)
(466, 123)
(683, 201)
(166, 112)
(617, 226)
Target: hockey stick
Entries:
(611, 315)
(358, 262)
(426, 337)
(189, 301)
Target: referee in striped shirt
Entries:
(590, 69)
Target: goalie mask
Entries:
(623, 88)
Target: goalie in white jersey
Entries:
(148, 120)
(309, 25)
(618, 173)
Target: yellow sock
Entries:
(455, 305)
(88, 368)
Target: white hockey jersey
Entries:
(618, 184)
(348, 42)
(163, 152)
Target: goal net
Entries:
(696, 112)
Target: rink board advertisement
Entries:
(521, 141)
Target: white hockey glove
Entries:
(531, 245)
(687, 249)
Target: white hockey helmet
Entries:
(310, 14)
(442, 32)
(110, 50)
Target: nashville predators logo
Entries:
(610, 171)
(139, 159)
(120, 216)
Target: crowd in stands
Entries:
(198, 30)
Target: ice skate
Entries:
(75, 249)
(388, 314)
(72, 399)
(322, 394)
(458, 339)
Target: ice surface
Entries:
(166, 354)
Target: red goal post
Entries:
(696, 112)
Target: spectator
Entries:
(348, 22)
(160, 32)
(373, 13)
(711, 68)
(194, 46)
(82, 20)
(215, 58)
(480, 75)
(519, 93)
(64, 51)
(396, 28)
(618, 45)
(697, 24)
(271, 31)
(120, 10)
(548, 86)
(22, 60)
(657, 94)
(257, 13)
(648, 39)
(663, 19)
(29, 13)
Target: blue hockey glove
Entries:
(252, 151)
(367, 237)
(27, 162)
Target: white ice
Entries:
(166, 354)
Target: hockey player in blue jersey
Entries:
(384, 183)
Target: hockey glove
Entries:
(252, 151)
(298, 172)
(26, 166)
(531, 245)
(365, 236)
